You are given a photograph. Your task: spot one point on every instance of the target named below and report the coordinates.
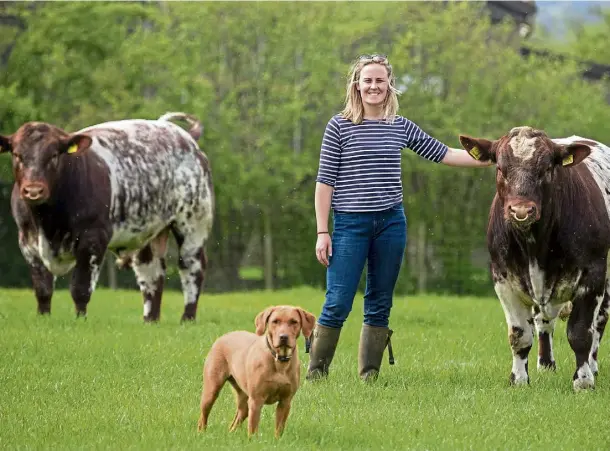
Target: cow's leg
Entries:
(520, 330)
(44, 283)
(149, 268)
(192, 267)
(545, 320)
(586, 306)
(544, 328)
(84, 279)
(598, 330)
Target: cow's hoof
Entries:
(81, 310)
(189, 319)
(583, 379)
(546, 365)
(583, 384)
(151, 319)
(518, 380)
(42, 312)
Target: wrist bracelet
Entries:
(321, 233)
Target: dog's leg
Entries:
(214, 379)
(241, 399)
(281, 415)
(254, 415)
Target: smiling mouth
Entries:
(283, 353)
(283, 348)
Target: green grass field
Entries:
(111, 382)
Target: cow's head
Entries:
(38, 150)
(527, 163)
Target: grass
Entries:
(111, 382)
(255, 273)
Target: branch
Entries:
(12, 20)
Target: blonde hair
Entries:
(354, 109)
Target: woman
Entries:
(359, 177)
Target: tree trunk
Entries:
(111, 270)
(422, 270)
(267, 251)
(297, 135)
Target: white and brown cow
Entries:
(548, 238)
(122, 186)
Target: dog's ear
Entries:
(261, 320)
(308, 321)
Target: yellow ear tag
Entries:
(73, 148)
(568, 160)
(475, 153)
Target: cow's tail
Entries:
(196, 129)
(564, 313)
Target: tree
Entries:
(265, 78)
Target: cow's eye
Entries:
(54, 159)
(18, 160)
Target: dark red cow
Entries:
(122, 186)
(548, 238)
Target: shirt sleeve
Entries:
(330, 154)
(423, 144)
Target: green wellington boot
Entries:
(323, 344)
(373, 341)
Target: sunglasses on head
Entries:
(376, 57)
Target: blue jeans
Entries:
(379, 237)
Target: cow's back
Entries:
(158, 175)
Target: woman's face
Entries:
(373, 84)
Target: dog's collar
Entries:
(277, 357)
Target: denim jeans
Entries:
(378, 238)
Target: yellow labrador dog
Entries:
(262, 368)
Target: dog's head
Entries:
(284, 324)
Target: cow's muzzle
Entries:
(34, 192)
(523, 214)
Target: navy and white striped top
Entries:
(362, 161)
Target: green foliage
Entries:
(112, 382)
(265, 77)
(587, 41)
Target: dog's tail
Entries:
(196, 129)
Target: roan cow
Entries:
(121, 186)
(548, 239)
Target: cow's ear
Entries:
(75, 144)
(571, 154)
(5, 144)
(478, 148)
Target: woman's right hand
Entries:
(324, 248)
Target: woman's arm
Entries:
(461, 158)
(323, 197)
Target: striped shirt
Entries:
(363, 161)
